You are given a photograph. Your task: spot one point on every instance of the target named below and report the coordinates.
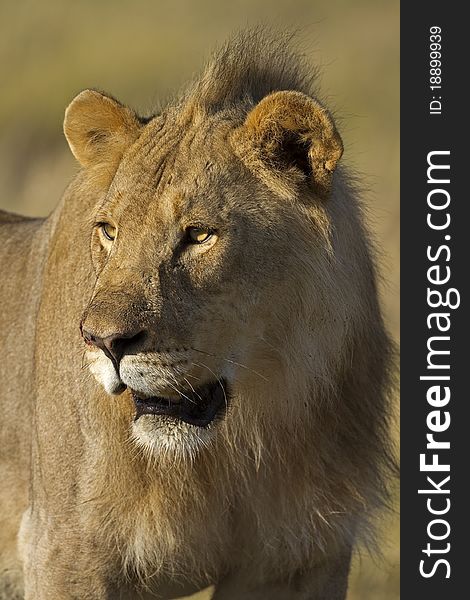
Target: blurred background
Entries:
(142, 52)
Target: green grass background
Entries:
(142, 51)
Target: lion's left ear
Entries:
(290, 133)
(99, 129)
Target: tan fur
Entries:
(268, 501)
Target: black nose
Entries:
(114, 345)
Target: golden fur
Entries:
(268, 500)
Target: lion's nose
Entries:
(115, 345)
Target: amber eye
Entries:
(108, 231)
(199, 235)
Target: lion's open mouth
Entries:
(199, 406)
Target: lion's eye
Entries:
(199, 235)
(108, 231)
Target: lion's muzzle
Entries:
(157, 378)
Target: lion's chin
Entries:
(198, 407)
(179, 427)
(166, 438)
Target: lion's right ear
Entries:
(99, 129)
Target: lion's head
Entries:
(233, 278)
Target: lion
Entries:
(195, 368)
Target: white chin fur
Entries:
(162, 437)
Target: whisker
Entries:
(192, 377)
(176, 387)
(180, 393)
(189, 383)
(234, 362)
(218, 379)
